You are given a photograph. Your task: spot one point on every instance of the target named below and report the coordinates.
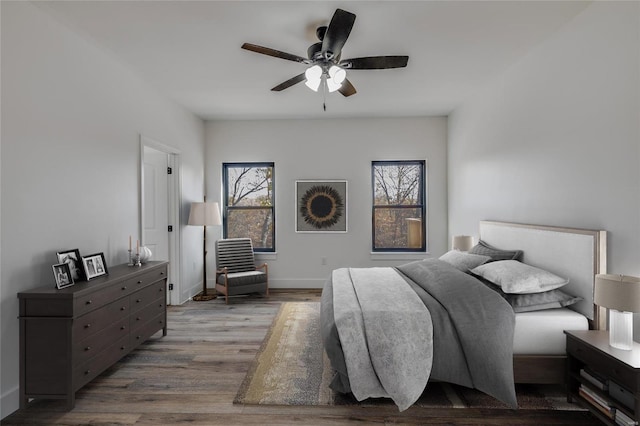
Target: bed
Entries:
(537, 348)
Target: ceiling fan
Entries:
(324, 58)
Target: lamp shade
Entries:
(204, 214)
(619, 292)
(462, 242)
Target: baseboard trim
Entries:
(290, 283)
(10, 402)
(301, 283)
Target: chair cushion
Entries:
(244, 278)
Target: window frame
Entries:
(225, 201)
(422, 191)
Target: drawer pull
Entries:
(138, 337)
(87, 325)
(161, 273)
(124, 308)
(138, 300)
(140, 282)
(124, 288)
(122, 348)
(123, 327)
(137, 318)
(88, 302)
(160, 322)
(88, 348)
(87, 372)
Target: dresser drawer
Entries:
(146, 330)
(145, 314)
(602, 364)
(147, 278)
(95, 321)
(99, 298)
(86, 372)
(94, 344)
(140, 299)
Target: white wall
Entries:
(330, 149)
(556, 139)
(71, 121)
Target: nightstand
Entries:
(603, 379)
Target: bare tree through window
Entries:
(399, 206)
(249, 203)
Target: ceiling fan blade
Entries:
(347, 88)
(337, 32)
(375, 62)
(295, 80)
(275, 53)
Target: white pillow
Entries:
(518, 278)
(463, 260)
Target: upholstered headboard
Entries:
(578, 254)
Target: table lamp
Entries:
(462, 242)
(621, 295)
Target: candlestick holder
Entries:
(130, 258)
(136, 260)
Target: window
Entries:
(248, 210)
(399, 206)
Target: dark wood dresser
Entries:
(69, 336)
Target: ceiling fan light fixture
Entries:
(313, 75)
(337, 74)
(332, 84)
(313, 84)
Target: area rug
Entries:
(292, 369)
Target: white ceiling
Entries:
(190, 50)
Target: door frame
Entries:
(174, 196)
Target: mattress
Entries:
(541, 332)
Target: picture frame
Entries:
(62, 275)
(94, 266)
(321, 206)
(73, 258)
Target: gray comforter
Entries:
(471, 343)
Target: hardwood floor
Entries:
(192, 375)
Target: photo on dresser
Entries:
(62, 275)
(72, 257)
(94, 265)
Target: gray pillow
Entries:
(495, 253)
(551, 299)
(462, 260)
(518, 278)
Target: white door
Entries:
(160, 196)
(156, 203)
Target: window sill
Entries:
(399, 255)
(266, 255)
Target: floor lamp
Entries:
(204, 214)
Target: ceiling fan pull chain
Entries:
(324, 95)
